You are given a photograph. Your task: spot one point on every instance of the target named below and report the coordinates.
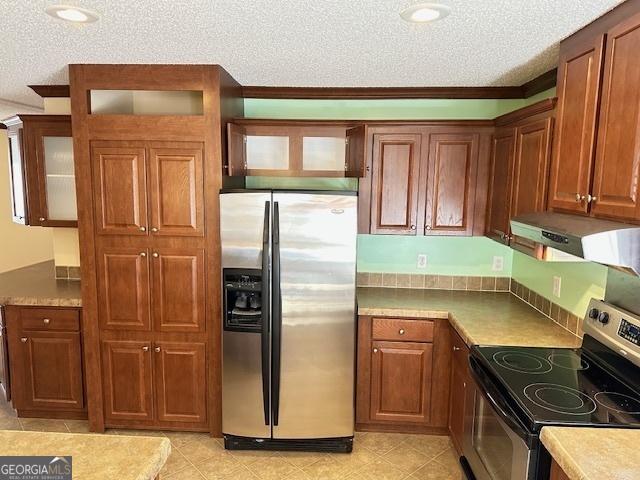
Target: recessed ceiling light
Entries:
(71, 14)
(424, 12)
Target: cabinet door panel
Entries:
(180, 382)
(575, 131)
(127, 383)
(123, 285)
(120, 193)
(178, 290)
(401, 381)
(617, 171)
(177, 191)
(17, 176)
(453, 165)
(531, 170)
(394, 190)
(53, 370)
(502, 154)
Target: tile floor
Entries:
(196, 456)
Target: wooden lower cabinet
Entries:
(5, 377)
(159, 384)
(557, 473)
(45, 357)
(402, 385)
(461, 383)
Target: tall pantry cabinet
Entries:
(148, 185)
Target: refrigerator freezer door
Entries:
(317, 234)
(242, 224)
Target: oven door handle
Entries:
(503, 410)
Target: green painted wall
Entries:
(299, 183)
(580, 281)
(471, 256)
(406, 109)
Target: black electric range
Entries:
(519, 390)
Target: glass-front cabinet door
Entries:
(60, 182)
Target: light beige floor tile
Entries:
(381, 443)
(429, 445)
(190, 473)
(327, 469)
(201, 450)
(406, 458)
(179, 439)
(175, 463)
(137, 433)
(43, 425)
(435, 471)
(360, 457)
(77, 426)
(298, 475)
(220, 466)
(381, 470)
(302, 459)
(247, 457)
(449, 458)
(272, 468)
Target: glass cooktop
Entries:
(561, 386)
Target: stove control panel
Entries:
(614, 327)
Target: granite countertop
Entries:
(37, 285)
(573, 449)
(95, 456)
(481, 318)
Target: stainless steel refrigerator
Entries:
(288, 340)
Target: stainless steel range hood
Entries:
(602, 241)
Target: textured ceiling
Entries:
(294, 42)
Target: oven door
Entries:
(496, 444)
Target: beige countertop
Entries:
(95, 456)
(481, 318)
(594, 453)
(37, 285)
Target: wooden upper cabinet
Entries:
(401, 382)
(120, 190)
(123, 282)
(501, 172)
(51, 371)
(177, 190)
(575, 131)
(127, 381)
(236, 164)
(451, 179)
(394, 183)
(178, 290)
(180, 374)
(356, 139)
(617, 167)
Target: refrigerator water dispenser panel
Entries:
(242, 300)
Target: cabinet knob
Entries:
(23, 339)
(413, 227)
(428, 227)
(155, 255)
(401, 331)
(145, 349)
(375, 350)
(143, 254)
(591, 199)
(46, 321)
(455, 349)
(42, 219)
(154, 229)
(157, 349)
(143, 229)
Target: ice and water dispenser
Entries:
(243, 300)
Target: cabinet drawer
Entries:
(396, 329)
(50, 319)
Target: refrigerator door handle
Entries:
(264, 340)
(276, 315)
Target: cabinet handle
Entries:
(145, 349)
(455, 349)
(42, 219)
(401, 331)
(591, 199)
(23, 339)
(375, 350)
(46, 321)
(154, 229)
(143, 254)
(157, 349)
(155, 255)
(143, 229)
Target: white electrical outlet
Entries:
(498, 264)
(557, 283)
(422, 260)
